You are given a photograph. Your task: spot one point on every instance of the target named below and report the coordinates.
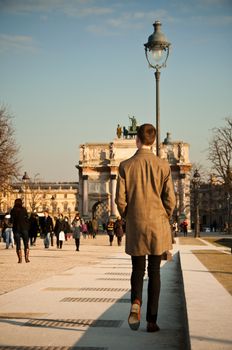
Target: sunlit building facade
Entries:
(57, 197)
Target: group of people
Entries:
(117, 229)
(63, 227)
(18, 225)
(182, 227)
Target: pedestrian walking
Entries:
(84, 229)
(47, 228)
(33, 228)
(76, 229)
(59, 231)
(90, 228)
(110, 231)
(146, 199)
(118, 230)
(94, 227)
(185, 227)
(175, 228)
(20, 222)
(67, 228)
(8, 232)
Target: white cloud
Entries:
(27, 6)
(87, 11)
(112, 15)
(100, 30)
(129, 20)
(17, 43)
(215, 2)
(159, 14)
(70, 8)
(220, 20)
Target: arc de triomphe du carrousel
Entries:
(98, 171)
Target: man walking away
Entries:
(47, 229)
(146, 199)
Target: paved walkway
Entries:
(82, 302)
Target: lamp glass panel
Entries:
(157, 55)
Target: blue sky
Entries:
(70, 71)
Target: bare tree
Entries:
(220, 155)
(220, 152)
(35, 195)
(9, 163)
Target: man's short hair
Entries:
(146, 133)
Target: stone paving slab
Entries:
(45, 319)
(35, 314)
(209, 305)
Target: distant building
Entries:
(98, 172)
(215, 209)
(57, 197)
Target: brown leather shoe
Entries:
(134, 317)
(152, 327)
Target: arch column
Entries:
(113, 208)
(85, 195)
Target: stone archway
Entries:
(100, 211)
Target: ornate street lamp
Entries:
(157, 52)
(53, 204)
(196, 184)
(25, 177)
(25, 180)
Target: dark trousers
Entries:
(119, 239)
(59, 243)
(77, 241)
(33, 239)
(51, 236)
(153, 292)
(25, 238)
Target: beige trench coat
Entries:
(145, 197)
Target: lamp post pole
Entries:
(197, 224)
(196, 184)
(25, 179)
(53, 204)
(157, 52)
(157, 79)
